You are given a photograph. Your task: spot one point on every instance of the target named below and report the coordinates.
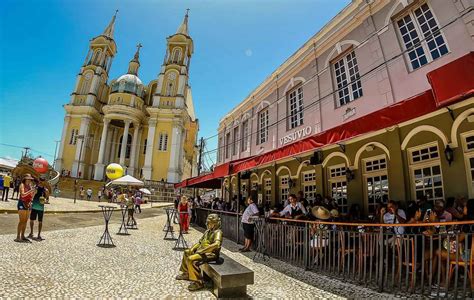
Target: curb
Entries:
(14, 211)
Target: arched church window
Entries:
(176, 55)
(170, 85)
(86, 83)
(97, 57)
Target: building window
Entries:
(421, 36)
(219, 152)
(144, 146)
(284, 188)
(73, 139)
(295, 107)
(170, 84)
(376, 182)
(309, 185)
(263, 126)
(349, 86)
(245, 135)
(268, 191)
(176, 55)
(86, 84)
(227, 145)
(427, 179)
(163, 142)
(338, 187)
(469, 159)
(97, 57)
(236, 141)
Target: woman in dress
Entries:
(183, 214)
(27, 191)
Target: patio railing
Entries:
(430, 259)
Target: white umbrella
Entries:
(145, 191)
(126, 180)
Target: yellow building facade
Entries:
(150, 130)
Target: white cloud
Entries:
(248, 52)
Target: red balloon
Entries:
(40, 165)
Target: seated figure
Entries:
(207, 249)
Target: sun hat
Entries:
(321, 212)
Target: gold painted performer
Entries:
(207, 249)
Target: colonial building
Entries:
(151, 130)
(377, 105)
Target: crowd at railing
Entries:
(427, 249)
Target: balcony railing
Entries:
(429, 259)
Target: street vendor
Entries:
(207, 249)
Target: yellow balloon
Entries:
(114, 171)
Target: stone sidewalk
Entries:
(143, 265)
(66, 205)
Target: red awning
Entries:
(450, 83)
(453, 80)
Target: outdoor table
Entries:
(169, 226)
(123, 227)
(260, 251)
(106, 240)
(180, 242)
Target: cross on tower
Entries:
(139, 46)
(187, 11)
(116, 12)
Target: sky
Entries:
(238, 43)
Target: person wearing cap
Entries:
(27, 191)
(293, 210)
(37, 208)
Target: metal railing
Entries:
(429, 259)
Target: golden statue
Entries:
(207, 249)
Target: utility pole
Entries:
(201, 147)
(76, 181)
(55, 152)
(26, 151)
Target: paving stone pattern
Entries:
(68, 264)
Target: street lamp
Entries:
(79, 137)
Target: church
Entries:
(150, 130)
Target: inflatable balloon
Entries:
(40, 165)
(114, 171)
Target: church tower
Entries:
(172, 103)
(84, 108)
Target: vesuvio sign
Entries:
(298, 134)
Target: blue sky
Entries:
(238, 43)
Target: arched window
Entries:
(163, 142)
(128, 148)
(96, 59)
(170, 84)
(176, 58)
(86, 83)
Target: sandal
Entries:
(18, 240)
(25, 240)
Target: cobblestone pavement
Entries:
(69, 264)
(59, 205)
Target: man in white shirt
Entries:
(294, 209)
(394, 215)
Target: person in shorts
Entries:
(37, 208)
(247, 223)
(27, 191)
(89, 194)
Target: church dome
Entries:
(128, 83)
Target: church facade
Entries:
(150, 130)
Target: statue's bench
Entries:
(230, 278)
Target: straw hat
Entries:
(321, 212)
(28, 176)
(334, 213)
